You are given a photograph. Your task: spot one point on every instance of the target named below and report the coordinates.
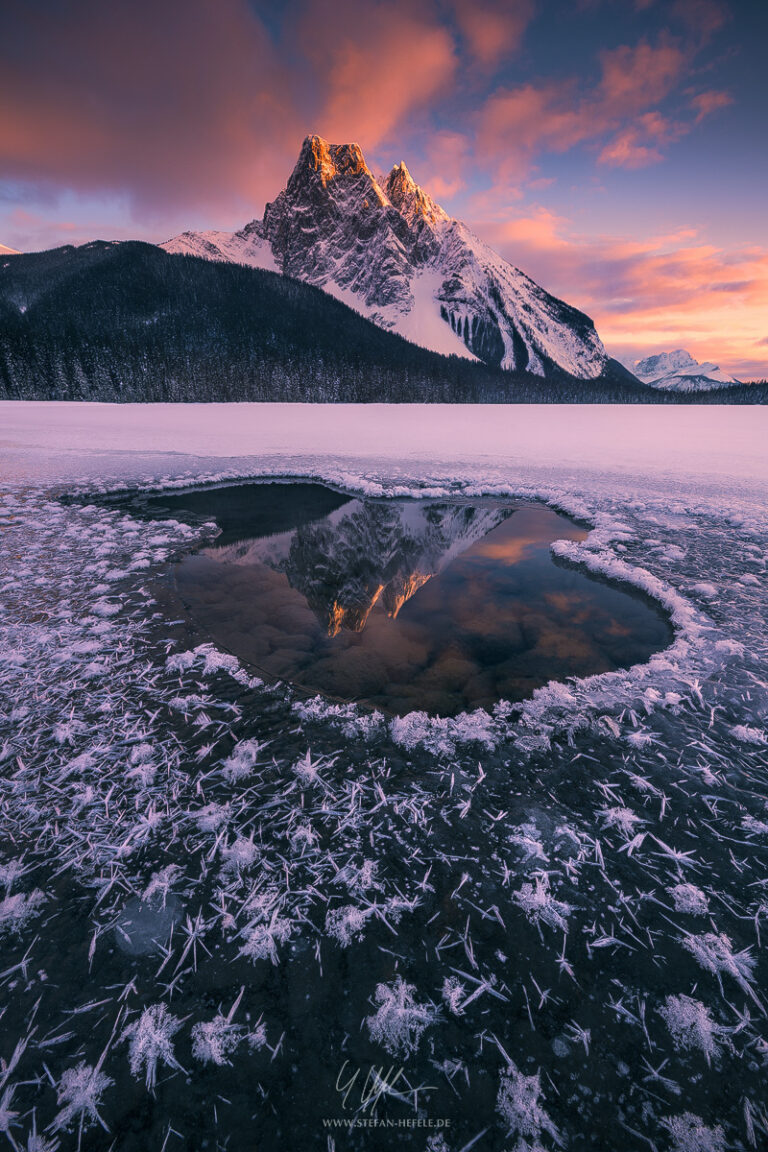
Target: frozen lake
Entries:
(220, 899)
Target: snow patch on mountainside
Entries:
(245, 247)
(385, 248)
(423, 324)
(678, 371)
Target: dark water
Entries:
(404, 604)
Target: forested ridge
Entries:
(128, 322)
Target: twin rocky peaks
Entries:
(332, 161)
(385, 248)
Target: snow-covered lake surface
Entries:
(221, 902)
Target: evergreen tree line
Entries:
(129, 322)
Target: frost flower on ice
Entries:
(151, 1040)
(214, 1040)
(16, 910)
(747, 735)
(212, 816)
(261, 940)
(242, 760)
(161, 883)
(239, 855)
(756, 827)
(623, 818)
(688, 898)
(346, 924)
(453, 994)
(691, 1025)
(399, 1021)
(308, 770)
(539, 904)
(716, 955)
(519, 1107)
(80, 1090)
(691, 1134)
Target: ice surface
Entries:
(578, 881)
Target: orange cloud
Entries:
(651, 294)
(379, 64)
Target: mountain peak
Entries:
(329, 160)
(387, 249)
(678, 371)
(411, 201)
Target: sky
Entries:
(612, 149)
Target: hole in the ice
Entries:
(434, 605)
(144, 926)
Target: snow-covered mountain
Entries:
(384, 247)
(678, 372)
(4, 251)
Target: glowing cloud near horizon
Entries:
(571, 137)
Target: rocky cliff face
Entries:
(387, 249)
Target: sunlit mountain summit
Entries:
(383, 246)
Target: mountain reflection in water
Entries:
(409, 604)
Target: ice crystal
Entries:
(213, 1041)
(454, 993)
(242, 760)
(161, 883)
(691, 1025)
(540, 905)
(747, 735)
(716, 955)
(151, 1039)
(16, 911)
(399, 1021)
(240, 855)
(622, 818)
(691, 1134)
(346, 924)
(262, 939)
(518, 1104)
(688, 898)
(80, 1090)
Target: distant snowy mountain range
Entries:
(4, 251)
(384, 247)
(678, 372)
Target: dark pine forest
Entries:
(128, 322)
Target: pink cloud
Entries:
(649, 294)
(705, 103)
(493, 29)
(448, 163)
(638, 77)
(515, 125)
(377, 63)
(639, 144)
(190, 114)
(701, 18)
